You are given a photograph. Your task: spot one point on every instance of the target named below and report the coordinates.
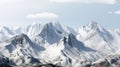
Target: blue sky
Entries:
(73, 13)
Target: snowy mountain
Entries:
(59, 45)
(20, 49)
(50, 33)
(98, 38)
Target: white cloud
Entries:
(45, 15)
(114, 12)
(2, 2)
(86, 1)
(117, 12)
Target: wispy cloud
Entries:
(86, 1)
(117, 12)
(7, 1)
(114, 12)
(45, 15)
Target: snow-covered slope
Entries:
(20, 49)
(57, 44)
(5, 33)
(34, 29)
(98, 38)
(68, 52)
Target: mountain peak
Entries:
(92, 25)
(72, 41)
(53, 24)
(50, 33)
(19, 39)
(50, 23)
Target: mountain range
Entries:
(89, 46)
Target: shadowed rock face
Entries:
(50, 33)
(109, 61)
(73, 42)
(19, 39)
(47, 65)
(5, 61)
(103, 63)
(5, 65)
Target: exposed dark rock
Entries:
(88, 65)
(5, 65)
(47, 65)
(103, 63)
(34, 60)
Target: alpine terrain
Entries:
(56, 45)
